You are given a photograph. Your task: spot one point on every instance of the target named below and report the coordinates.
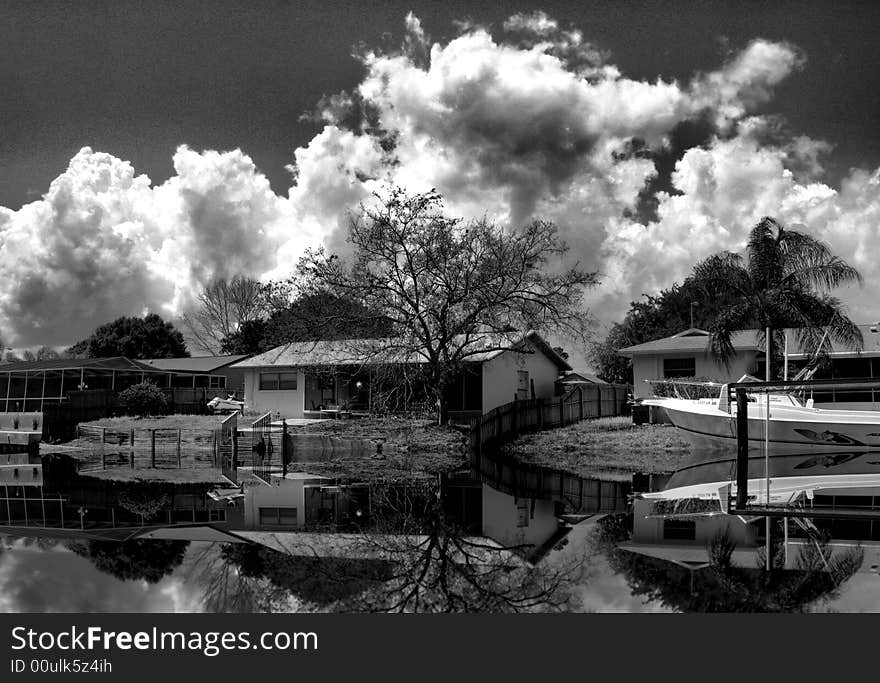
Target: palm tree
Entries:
(784, 281)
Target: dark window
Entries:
(277, 516)
(679, 529)
(275, 381)
(218, 381)
(679, 367)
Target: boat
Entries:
(226, 405)
(783, 421)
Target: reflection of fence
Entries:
(264, 441)
(61, 419)
(158, 448)
(581, 403)
(581, 495)
(226, 447)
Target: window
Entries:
(679, 367)
(277, 381)
(679, 529)
(217, 382)
(277, 516)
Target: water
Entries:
(541, 539)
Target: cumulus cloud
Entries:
(104, 242)
(531, 120)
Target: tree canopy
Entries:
(784, 281)
(450, 289)
(224, 306)
(133, 337)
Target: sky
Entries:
(146, 148)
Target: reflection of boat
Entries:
(792, 426)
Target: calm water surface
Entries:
(545, 540)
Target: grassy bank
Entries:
(605, 444)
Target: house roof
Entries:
(195, 363)
(376, 351)
(695, 340)
(579, 376)
(116, 363)
(692, 340)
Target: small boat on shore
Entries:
(788, 424)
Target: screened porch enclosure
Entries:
(27, 387)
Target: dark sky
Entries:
(136, 79)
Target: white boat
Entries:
(226, 405)
(791, 426)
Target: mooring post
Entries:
(153, 448)
(742, 449)
(178, 448)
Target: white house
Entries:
(686, 355)
(301, 378)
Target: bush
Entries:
(142, 400)
(686, 387)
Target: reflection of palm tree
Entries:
(818, 573)
(722, 586)
(783, 283)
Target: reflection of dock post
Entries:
(153, 448)
(178, 449)
(131, 448)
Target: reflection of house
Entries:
(305, 376)
(27, 386)
(299, 500)
(526, 524)
(686, 539)
(222, 376)
(685, 355)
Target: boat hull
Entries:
(789, 430)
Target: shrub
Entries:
(142, 400)
(686, 387)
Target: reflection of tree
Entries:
(134, 560)
(145, 503)
(437, 567)
(412, 559)
(818, 573)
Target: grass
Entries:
(161, 422)
(604, 444)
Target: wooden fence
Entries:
(60, 420)
(581, 403)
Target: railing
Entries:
(581, 403)
(226, 448)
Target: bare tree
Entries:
(450, 289)
(223, 307)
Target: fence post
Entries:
(284, 448)
(581, 403)
(561, 411)
(153, 448)
(178, 448)
(131, 447)
(599, 402)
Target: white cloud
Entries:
(532, 122)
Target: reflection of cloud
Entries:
(57, 580)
